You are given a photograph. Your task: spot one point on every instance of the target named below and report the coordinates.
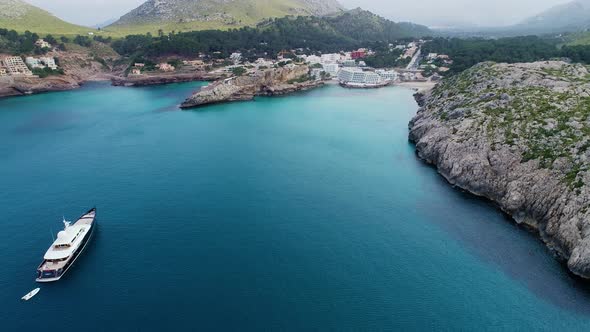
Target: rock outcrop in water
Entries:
(518, 134)
(271, 82)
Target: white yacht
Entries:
(66, 248)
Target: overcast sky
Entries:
(430, 12)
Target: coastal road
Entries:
(413, 65)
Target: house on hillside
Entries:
(41, 63)
(3, 72)
(49, 62)
(166, 67)
(197, 64)
(34, 63)
(42, 43)
(135, 71)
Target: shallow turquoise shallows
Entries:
(307, 212)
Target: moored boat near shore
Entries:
(66, 248)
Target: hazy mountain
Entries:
(572, 16)
(183, 15)
(105, 23)
(21, 16)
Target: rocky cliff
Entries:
(519, 135)
(271, 82)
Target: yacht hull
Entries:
(73, 258)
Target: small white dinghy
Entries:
(31, 294)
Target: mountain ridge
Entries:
(21, 16)
(569, 17)
(186, 15)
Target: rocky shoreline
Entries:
(146, 80)
(518, 135)
(22, 86)
(272, 82)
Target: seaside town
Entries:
(346, 68)
(349, 69)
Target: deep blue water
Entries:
(308, 212)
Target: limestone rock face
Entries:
(518, 134)
(276, 81)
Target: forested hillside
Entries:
(468, 52)
(325, 34)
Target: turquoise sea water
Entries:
(308, 212)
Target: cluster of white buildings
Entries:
(14, 66)
(348, 69)
(440, 62)
(138, 67)
(330, 63)
(41, 63)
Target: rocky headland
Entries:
(271, 82)
(519, 135)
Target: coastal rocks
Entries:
(146, 80)
(272, 82)
(517, 134)
(19, 86)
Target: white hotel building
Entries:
(332, 69)
(357, 76)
